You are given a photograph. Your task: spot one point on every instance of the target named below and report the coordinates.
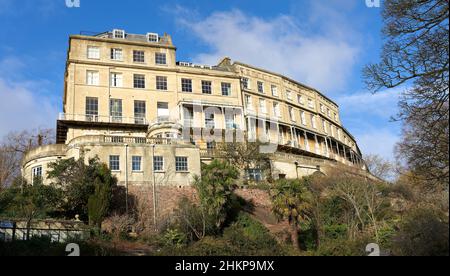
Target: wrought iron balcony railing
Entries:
(103, 119)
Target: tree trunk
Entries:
(294, 236)
(29, 227)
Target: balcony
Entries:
(103, 119)
(139, 140)
(165, 121)
(129, 140)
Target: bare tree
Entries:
(14, 146)
(416, 55)
(380, 167)
(8, 166)
(364, 200)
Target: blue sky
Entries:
(322, 43)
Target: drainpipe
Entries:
(154, 186)
(126, 178)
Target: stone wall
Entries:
(259, 198)
(167, 199)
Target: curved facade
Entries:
(127, 101)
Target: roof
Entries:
(285, 78)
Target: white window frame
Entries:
(260, 85)
(162, 83)
(292, 114)
(274, 89)
(157, 59)
(137, 79)
(118, 163)
(135, 55)
(289, 95)
(187, 85)
(276, 109)
(303, 116)
(226, 89)
(263, 106)
(207, 87)
(93, 52)
(118, 31)
(136, 158)
(117, 54)
(246, 83)
(160, 163)
(249, 102)
(185, 164)
(92, 77)
(313, 121)
(152, 35)
(322, 108)
(140, 111)
(37, 171)
(116, 79)
(310, 103)
(300, 99)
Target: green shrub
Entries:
(424, 232)
(343, 247)
(193, 221)
(174, 237)
(336, 231)
(250, 237)
(42, 246)
(215, 189)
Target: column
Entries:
(326, 145)
(306, 142)
(266, 137)
(338, 151)
(316, 146)
(345, 155)
(249, 129)
(292, 137)
(242, 119)
(278, 134)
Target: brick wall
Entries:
(167, 199)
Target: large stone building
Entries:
(152, 119)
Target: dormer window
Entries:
(120, 34)
(152, 37)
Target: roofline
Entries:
(285, 78)
(128, 42)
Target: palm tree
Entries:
(291, 201)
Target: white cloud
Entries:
(379, 141)
(11, 66)
(321, 59)
(368, 117)
(320, 49)
(383, 104)
(21, 108)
